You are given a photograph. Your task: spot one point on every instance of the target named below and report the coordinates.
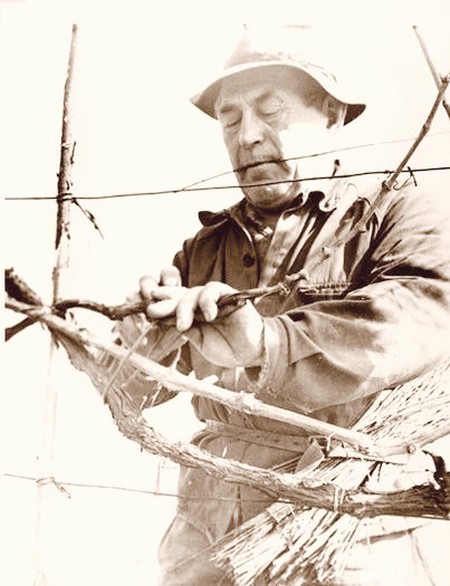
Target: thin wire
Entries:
(138, 490)
(321, 154)
(61, 485)
(225, 187)
(193, 187)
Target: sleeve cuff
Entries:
(284, 345)
(268, 377)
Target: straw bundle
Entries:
(291, 545)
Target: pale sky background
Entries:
(137, 65)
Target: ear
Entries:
(335, 112)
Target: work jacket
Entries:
(366, 315)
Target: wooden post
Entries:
(65, 183)
(437, 78)
(46, 484)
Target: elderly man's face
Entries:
(269, 115)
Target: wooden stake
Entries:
(434, 73)
(65, 183)
(46, 483)
(442, 88)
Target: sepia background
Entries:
(136, 132)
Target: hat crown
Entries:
(298, 45)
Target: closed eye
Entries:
(229, 117)
(268, 113)
(231, 122)
(269, 105)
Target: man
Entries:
(375, 311)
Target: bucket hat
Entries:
(301, 48)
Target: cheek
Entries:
(232, 147)
(303, 139)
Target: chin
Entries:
(269, 200)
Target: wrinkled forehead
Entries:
(265, 83)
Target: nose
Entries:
(251, 131)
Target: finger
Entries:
(209, 297)
(162, 309)
(170, 276)
(166, 292)
(146, 285)
(186, 308)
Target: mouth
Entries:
(261, 163)
(262, 171)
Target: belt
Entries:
(290, 443)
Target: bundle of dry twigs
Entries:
(293, 544)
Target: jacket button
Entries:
(248, 260)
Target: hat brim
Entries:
(206, 99)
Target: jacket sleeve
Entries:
(394, 326)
